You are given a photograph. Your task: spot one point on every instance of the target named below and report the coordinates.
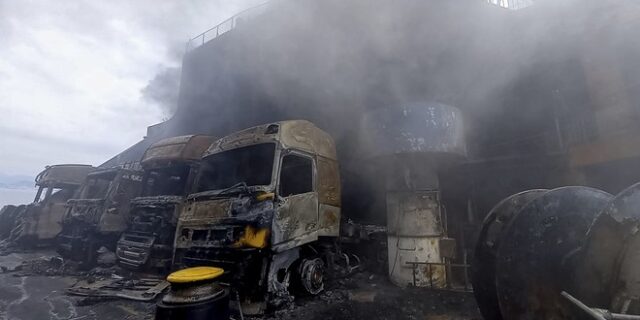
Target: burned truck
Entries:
(99, 214)
(39, 222)
(266, 210)
(170, 167)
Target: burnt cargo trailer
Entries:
(170, 167)
(266, 210)
(99, 214)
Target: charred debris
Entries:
(409, 140)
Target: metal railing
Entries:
(225, 26)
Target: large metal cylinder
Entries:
(415, 228)
(569, 253)
(407, 145)
(483, 272)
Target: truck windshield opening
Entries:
(97, 186)
(252, 165)
(167, 181)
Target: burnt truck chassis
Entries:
(80, 239)
(170, 166)
(268, 277)
(148, 241)
(247, 270)
(91, 223)
(37, 223)
(277, 234)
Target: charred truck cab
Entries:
(170, 167)
(99, 214)
(267, 210)
(39, 223)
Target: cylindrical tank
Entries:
(494, 226)
(194, 295)
(414, 228)
(408, 145)
(426, 128)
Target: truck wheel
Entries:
(312, 275)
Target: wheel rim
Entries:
(312, 275)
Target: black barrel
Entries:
(207, 301)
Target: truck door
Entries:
(297, 214)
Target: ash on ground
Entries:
(35, 287)
(371, 296)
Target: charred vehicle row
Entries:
(99, 213)
(170, 167)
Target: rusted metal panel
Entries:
(63, 175)
(304, 135)
(609, 259)
(295, 134)
(205, 210)
(48, 222)
(626, 290)
(40, 222)
(132, 289)
(296, 216)
(328, 182)
(182, 148)
(329, 221)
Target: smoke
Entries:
(514, 74)
(332, 61)
(163, 89)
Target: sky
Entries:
(81, 80)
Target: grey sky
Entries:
(73, 73)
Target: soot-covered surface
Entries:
(28, 294)
(373, 297)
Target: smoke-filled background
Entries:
(538, 87)
(81, 80)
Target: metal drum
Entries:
(195, 296)
(415, 230)
(605, 243)
(409, 144)
(536, 257)
(483, 272)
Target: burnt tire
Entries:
(309, 278)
